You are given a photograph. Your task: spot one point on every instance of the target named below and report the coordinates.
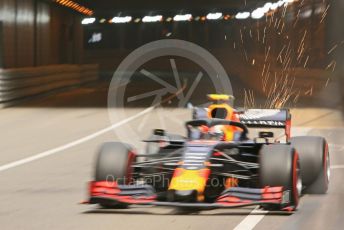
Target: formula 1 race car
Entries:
(228, 159)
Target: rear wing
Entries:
(267, 119)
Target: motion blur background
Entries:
(57, 58)
(290, 47)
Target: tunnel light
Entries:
(320, 9)
(156, 18)
(96, 37)
(226, 17)
(261, 11)
(287, 2)
(125, 19)
(258, 13)
(214, 16)
(306, 14)
(87, 21)
(280, 3)
(182, 17)
(242, 15)
(137, 20)
(267, 6)
(75, 6)
(274, 6)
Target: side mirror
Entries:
(159, 132)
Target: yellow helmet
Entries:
(220, 98)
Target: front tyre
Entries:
(315, 163)
(114, 163)
(280, 166)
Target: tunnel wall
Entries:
(36, 33)
(22, 83)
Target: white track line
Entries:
(337, 167)
(257, 215)
(251, 220)
(74, 143)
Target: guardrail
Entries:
(18, 84)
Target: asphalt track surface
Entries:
(44, 192)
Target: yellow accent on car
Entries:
(229, 110)
(220, 97)
(190, 180)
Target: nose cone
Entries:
(188, 185)
(188, 196)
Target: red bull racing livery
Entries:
(224, 161)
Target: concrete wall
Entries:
(36, 33)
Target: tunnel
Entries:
(75, 74)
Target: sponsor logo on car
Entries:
(264, 123)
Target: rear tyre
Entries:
(114, 164)
(315, 163)
(280, 166)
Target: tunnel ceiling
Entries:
(110, 7)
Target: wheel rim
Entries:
(328, 169)
(299, 180)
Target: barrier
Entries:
(17, 84)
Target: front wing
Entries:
(102, 191)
